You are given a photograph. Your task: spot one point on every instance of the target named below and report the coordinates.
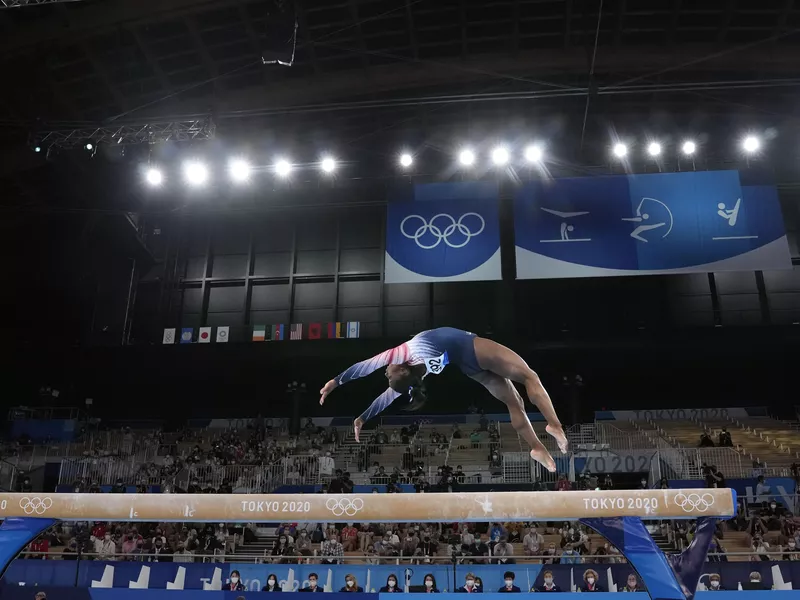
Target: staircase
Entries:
(255, 549)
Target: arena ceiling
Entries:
(371, 71)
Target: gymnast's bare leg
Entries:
(502, 389)
(509, 365)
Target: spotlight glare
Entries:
(88, 146)
(239, 170)
(406, 160)
(533, 153)
(620, 150)
(654, 149)
(196, 173)
(328, 164)
(689, 147)
(37, 149)
(466, 157)
(500, 156)
(751, 144)
(154, 177)
(283, 168)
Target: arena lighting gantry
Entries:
(617, 515)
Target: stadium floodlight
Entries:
(195, 173)
(751, 144)
(620, 150)
(37, 149)
(534, 153)
(154, 177)
(406, 160)
(89, 146)
(466, 157)
(328, 164)
(239, 170)
(689, 147)
(500, 156)
(283, 168)
(654, 149)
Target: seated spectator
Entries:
(632, 585)
(760, 548)
(550, 555)
(332, 551)
(570, 556)
(706, 441)
(469, 585)
(430, 584)
(312, 584)
(303, 544)
(391, 586)
(532, 542)
(182, 554)
(349, 538)
(351, 584)
(106, 548)
(504, 552)
(755, 582)
(409, 544)
(272, 584)
(590, 582)
(563, 484)
(548, 585)
(724, 439)
(235, 583)
(478, 584)
(509, 587)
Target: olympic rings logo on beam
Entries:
(344, 506)
(35, 505)
(694, 502)
(438, 233)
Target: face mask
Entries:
(271, 582)
(429, 583)
(470, 583)
(234, 579)
(509, 582)
(349, 524)
(715, 584)
(548, 580)
(312, 582)
(392, 583)
(283, 542)
(350, 583)
(552, 548)
(792, 545)
(590, 580)
(754, 581)
(477, 585)
(644, 481)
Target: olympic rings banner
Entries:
(447, 232)
(649, 224)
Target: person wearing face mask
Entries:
(430, 584)
(590, 582)
(391, 586)
(550, 555)
(351, 584)
(478, 584)
(509, 587)
(791, 553)
(643, 484)
(235, 583)
(632, 584)
(714, 583)
(312, 584)
(272, 584)
(548, 585)
(107, 548)
(349, 538)
(469, 586)
(303, 544)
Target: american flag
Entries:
(296, 332)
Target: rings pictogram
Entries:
(344, 506)
(442, 235)
(700, 503)
(35, 505)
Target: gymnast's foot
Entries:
(541, 455)
(558, 433)
(357, 425)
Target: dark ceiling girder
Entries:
(152, 61)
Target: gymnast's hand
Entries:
(327, 389)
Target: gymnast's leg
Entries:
(504, 390)
(508, 364)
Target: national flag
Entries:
(314, 331)
(223, 333)
(296, 332)
(186, 335)
(205, 335)
(169, 336)
(335, 330)
(259, 333)
(278, 332)
(353, 329)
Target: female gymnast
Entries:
(487, 362)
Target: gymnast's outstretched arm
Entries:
(393, 356)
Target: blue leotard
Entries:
(435, 348)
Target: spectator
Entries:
(312, 584)
(762, 490)
(563, 484)
(332, 551)
(760, 548)
(550, 555)
(349, 538)
(532, 542)
(106, 548)
(504, 552)
(235, 584)
(706, 441)
(410, 543)
(391, 586)
(41, 546)
(430, 584)
(548, 585)
(632, 585)
(714, 583)
(590, 582)
(509, 587)
(496, 532)
(724, 439)
(469, 585)
(303, 544)
(478, 584)
(569, 555)
(663, 484)
(351, 584)
(326, 466)
(119, 487)
(272, 584)
(643, 484)
(459, 475)
(791, 553)
(754, 583)
(182, 554)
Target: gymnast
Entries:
(487, 362)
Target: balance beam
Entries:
(367, 508)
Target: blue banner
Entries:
(647, 224)
(214, 576)
(449, 232)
